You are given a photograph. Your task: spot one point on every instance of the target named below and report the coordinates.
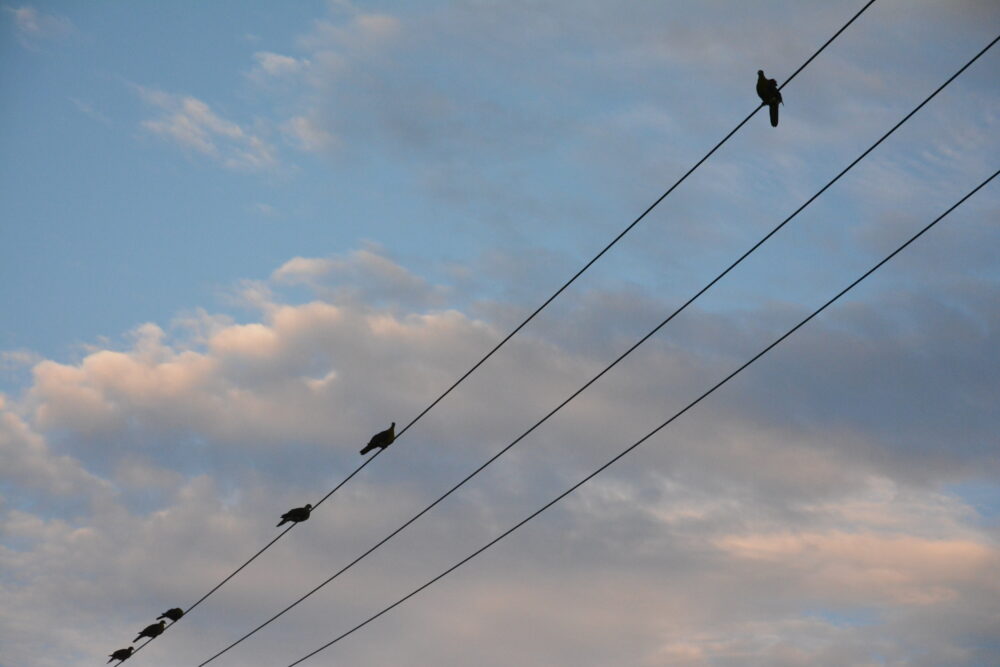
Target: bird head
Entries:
(308, 506)
(392, 425)
(760, 73)
(163, 623)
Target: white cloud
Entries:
(191, 123)
(17, 359)
(29, 463)
(361, 32)
(276, 64)
(33, 25)
(735, 537)
(88, 110)
(307, 135)
(265, 210)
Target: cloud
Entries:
(11, 360)
(275, 65)
(741, 536)
(191, 124)
(365, 275)
(361, 32)
(265, 210)
(88, 110)
(810, 513)
(29, 463)
(34, 26)
(306, 135)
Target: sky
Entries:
(238, 238)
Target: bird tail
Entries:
(774, 114)
(137, 639)
(283, 522)
(159, 617)
(111, 660)
(367, 449)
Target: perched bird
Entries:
(296, 515)
(122, 654)
(151, 631)
(382, 439)
(767, 90)
(173, 614)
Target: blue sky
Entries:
(238, 238)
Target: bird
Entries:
(296, 515)
(173, 614)
(382, 439)
(151, 631)
(122, 654)
(767, 90)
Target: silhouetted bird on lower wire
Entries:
(295, 515)
(382, 439)
(151, 631)
(122, 654)
(767, 90)
(173, 614)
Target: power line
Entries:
(654, 431)
(538, 310)
(615, 362)
(254, 557)
(634, 223)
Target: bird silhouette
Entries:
(122, 654)
(173, 614)
(767, 90)
(295, 515)
(151, 631)
(382, 439)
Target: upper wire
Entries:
(621, 357)
(529, 318)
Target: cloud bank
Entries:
(776, 524)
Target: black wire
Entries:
(655, 430)
(629, 228)
(599, 375)
(262, 550)
(532, 316)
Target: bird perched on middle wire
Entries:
(382, 439)
(151, 631)
(122, 654)
(295, 515)
(173, 614)
(767, 90)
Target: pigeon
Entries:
(122, 654)
(382, 439)
(151, 631)
(769, 94)
(295, 515)
(173, 614)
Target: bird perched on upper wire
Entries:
(173, 614)
(151, 631)
(767, 90)
(295, 515)
(122, 654)
(382, 439)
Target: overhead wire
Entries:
(616, 361)
(534, 313)
(654, 431)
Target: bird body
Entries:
(121, 654)
(767, 90)
(173, 614)
(381, 440)
(151, 631)
(296, 515)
